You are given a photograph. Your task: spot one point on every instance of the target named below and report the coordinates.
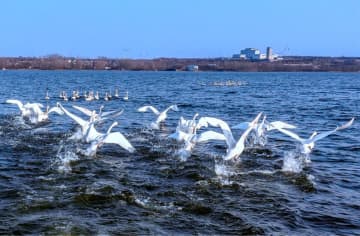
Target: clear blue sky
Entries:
(178, 28)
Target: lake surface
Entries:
(48, 187)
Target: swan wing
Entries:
(83, 110)
(119, 139)
(92, 134)
(279, 124)
(215, 122)
(243, 125)
(322, 135)
(325, 134)
(291, 134)
(179, 136)
(16, 102)
(210, 135)
(57, 110)
(172, 107)
(147, 108)
(346, 125)
(77, 119)
(111, 114)
(238, 149)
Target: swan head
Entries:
(195, 116)
(101, 108)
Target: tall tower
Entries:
(269, 56)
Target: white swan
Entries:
(116, 95)
(90, 96)
(239, 147)
(98, 139)
(262, 128)
(24, 109)
(215, 122)
(185, 129)
(38, 116)
(161, 116)
(187, 132)
(101, 116)
(84, 125)
(97, 97)
(47, 97)
(307, 145)
(126, 97)
(192, 140)
(234, 149)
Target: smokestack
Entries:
(269, 56)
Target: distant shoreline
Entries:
(287, 64)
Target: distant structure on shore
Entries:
(192, 68)
(254, 54)
(251, 63)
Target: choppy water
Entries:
(47, 187)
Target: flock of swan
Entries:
(188, 132)
(88, 95)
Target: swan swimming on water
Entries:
(161, 116)
(126, 97)
(98, 139)
(47, 97)
(307, 145)
(116, 95)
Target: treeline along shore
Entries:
(286, 64)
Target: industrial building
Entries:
(255, 54)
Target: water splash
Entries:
(183, 154)
(20, 122)
(311, 179)
(64, 159)
(292, 162)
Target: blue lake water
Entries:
(48, 187)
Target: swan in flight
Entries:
(185, 129)
(25, 109)
(234, 149)
(262, 128)
(101, 115)
(38, 116)
(161, 116)
(98, 139)
(307, 145)
(192, 140)
(215, 122)
(33, 112)
(84, 125)
(186, 132)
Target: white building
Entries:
(253, 54)
(192, 68)
(250, 54)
